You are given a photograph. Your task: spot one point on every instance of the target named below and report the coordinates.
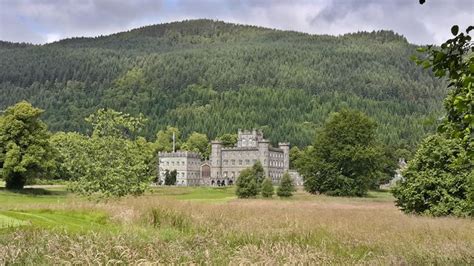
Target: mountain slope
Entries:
(215, 77)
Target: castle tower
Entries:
(264, 155)
(216, 159)
(285, 146)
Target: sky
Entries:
(44, 21)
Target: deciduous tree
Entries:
(199, 143)
(345, 157)
(437, 180)
(164, 139)
(228, 140)
(107, 164)
(25, 151)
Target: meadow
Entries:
(210, 225)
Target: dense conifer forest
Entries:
(215, 77)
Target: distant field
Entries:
(210, 225)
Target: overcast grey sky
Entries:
(42, 21)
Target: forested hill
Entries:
(214, 77)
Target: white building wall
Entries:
(187, 164)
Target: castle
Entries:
(226, 163)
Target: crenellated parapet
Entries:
(180, 154)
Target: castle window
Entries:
(240, 162)
(233, 162)
(247, 161)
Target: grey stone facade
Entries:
(186, 163)
(227, 163)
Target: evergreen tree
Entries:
(287, 187)
(25, 151)
(170, 177)
(267, 188)
(258, 173)
(246, 184)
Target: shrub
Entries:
(286, 187)
(437, 179)
(267, 188)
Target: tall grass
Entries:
(307, 230)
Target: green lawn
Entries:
(8, 222)
(54, 219)
(32, 196)
(32, 207)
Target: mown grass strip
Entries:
(75, 221)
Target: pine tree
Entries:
(267, 188)
(286, 187)
(258, 172)
(246, 184)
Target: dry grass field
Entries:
(204, 225)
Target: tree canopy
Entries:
(109, 163)
(25, 152)
(345, 157)
(439, 180)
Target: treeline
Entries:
(115, 160)
(215, 77)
